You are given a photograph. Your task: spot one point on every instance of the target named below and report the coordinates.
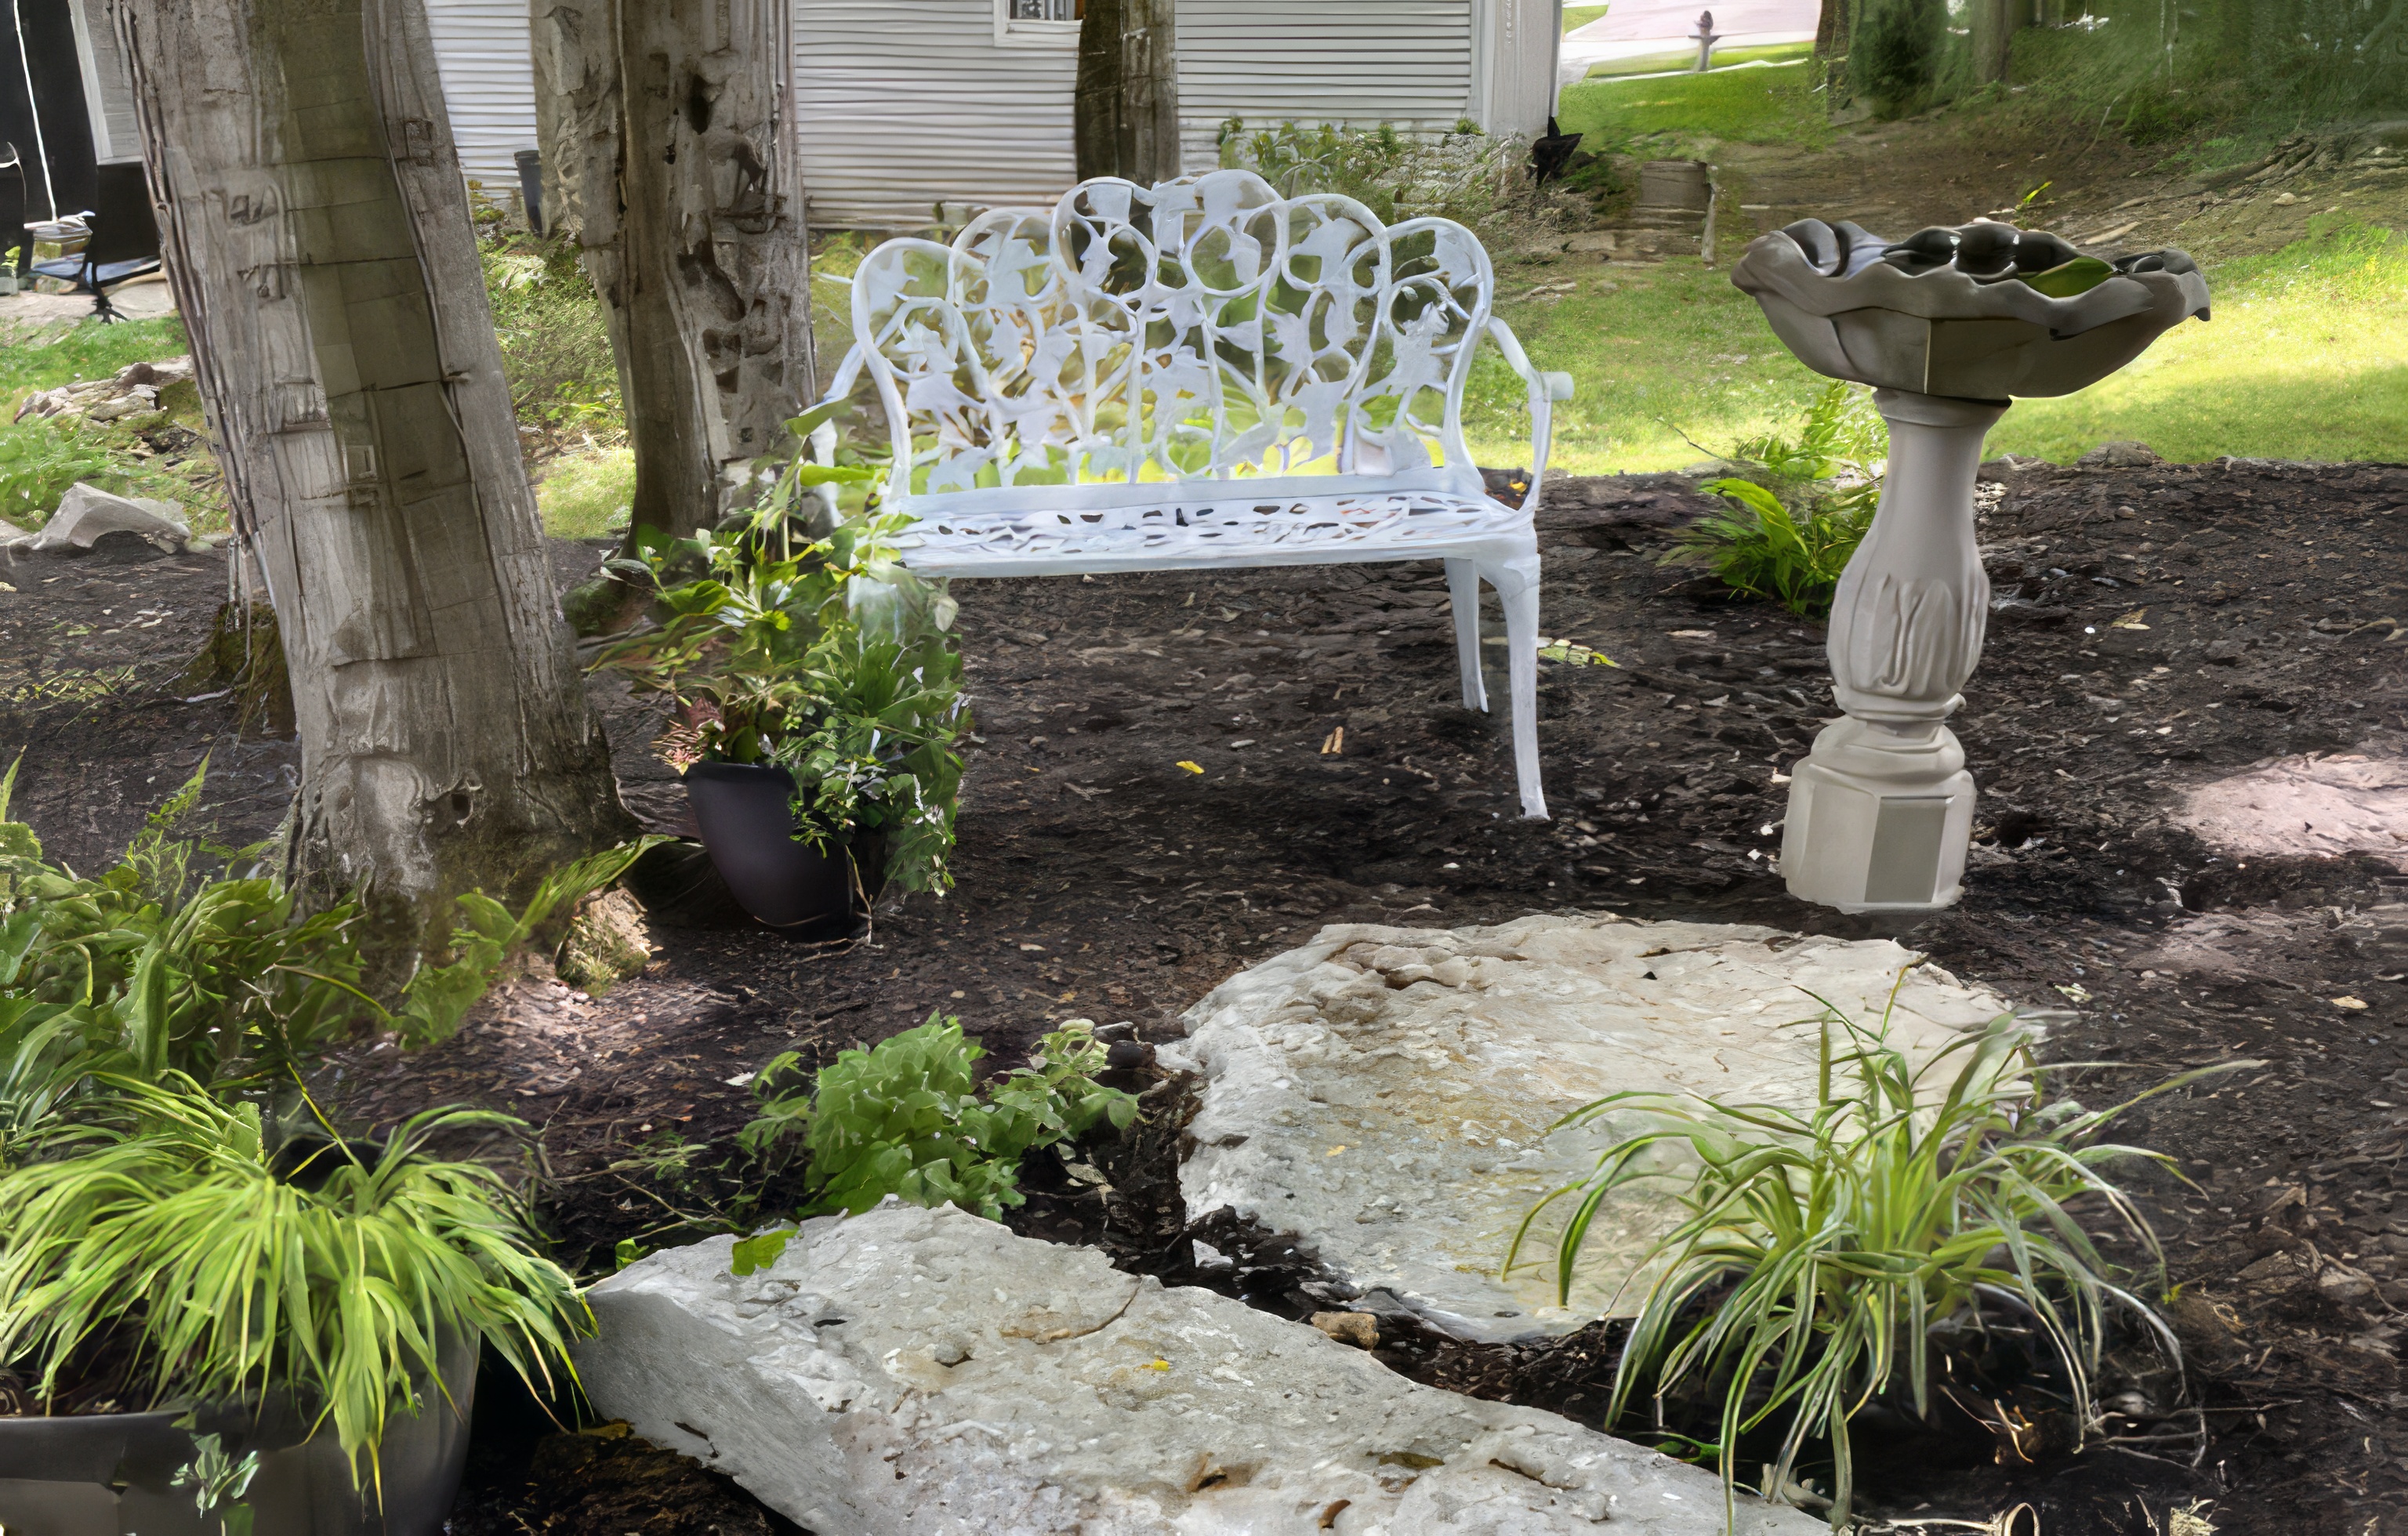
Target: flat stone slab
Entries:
(927, 1371)
(1386, 1093)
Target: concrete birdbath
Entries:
(1948, 326)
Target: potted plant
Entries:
(207, 1335)
(818, 697)
(216, 1315)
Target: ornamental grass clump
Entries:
(164, 1232)
(1820, 1247)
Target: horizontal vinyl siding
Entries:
(905, 104)
(481, 51)
(1362, 61)
(115, 116)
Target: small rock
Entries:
(1359, 1329)
(606, 944)
(1592, 242)
(2119, 456)
(2225, 653)
(86, 513)
(909, 1370)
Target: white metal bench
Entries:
(1198, 375)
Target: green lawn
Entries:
(1580, 16)
(1651, 63)
(2306, 358)
(1775, 106)
(40, 460)
(587, 495)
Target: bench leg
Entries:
(1462, 588)
(1520, 591)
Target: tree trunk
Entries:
(1127, 116)
(668, 135)
(1830, 42)
(1994, 39)
(317, 239)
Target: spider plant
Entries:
(1820, 1245)
(238, 1275)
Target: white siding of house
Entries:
(1362, 61)
(109, 91)
(488, 69)
(904, 104)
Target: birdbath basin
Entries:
(1948, 326)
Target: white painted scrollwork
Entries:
(1206, 329)
(1203, 373)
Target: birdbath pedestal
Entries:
(1947, 326)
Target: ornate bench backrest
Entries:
(1203, 329)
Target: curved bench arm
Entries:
(1546, 389)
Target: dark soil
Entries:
(1100, 878)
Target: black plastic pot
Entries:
(109, 1474)
(748, 825)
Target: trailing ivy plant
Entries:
(1821, 1245)
(817, 653)
(909, 1117)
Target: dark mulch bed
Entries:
(1098, 878)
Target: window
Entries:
(1038, 23)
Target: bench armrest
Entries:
(1546, 389)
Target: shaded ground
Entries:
(1099, 878)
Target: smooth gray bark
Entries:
(668, 138)
(1125, 118)
(318, 238)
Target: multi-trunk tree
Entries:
(667, 136)
(318, 242)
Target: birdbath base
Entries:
(1880, 811)
(1879, 820)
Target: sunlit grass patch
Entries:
(1777, 106)
(588, 495)
(2306, 358)
(1671, 365)
(1683, 57)
(87, 349)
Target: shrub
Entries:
(1788, 543)
(1896, 54)
(556, 340)
(154, 968)
(909, 1117)
(1820, 1247)
(227, 1274)
(1760, 548)
(820, 655)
